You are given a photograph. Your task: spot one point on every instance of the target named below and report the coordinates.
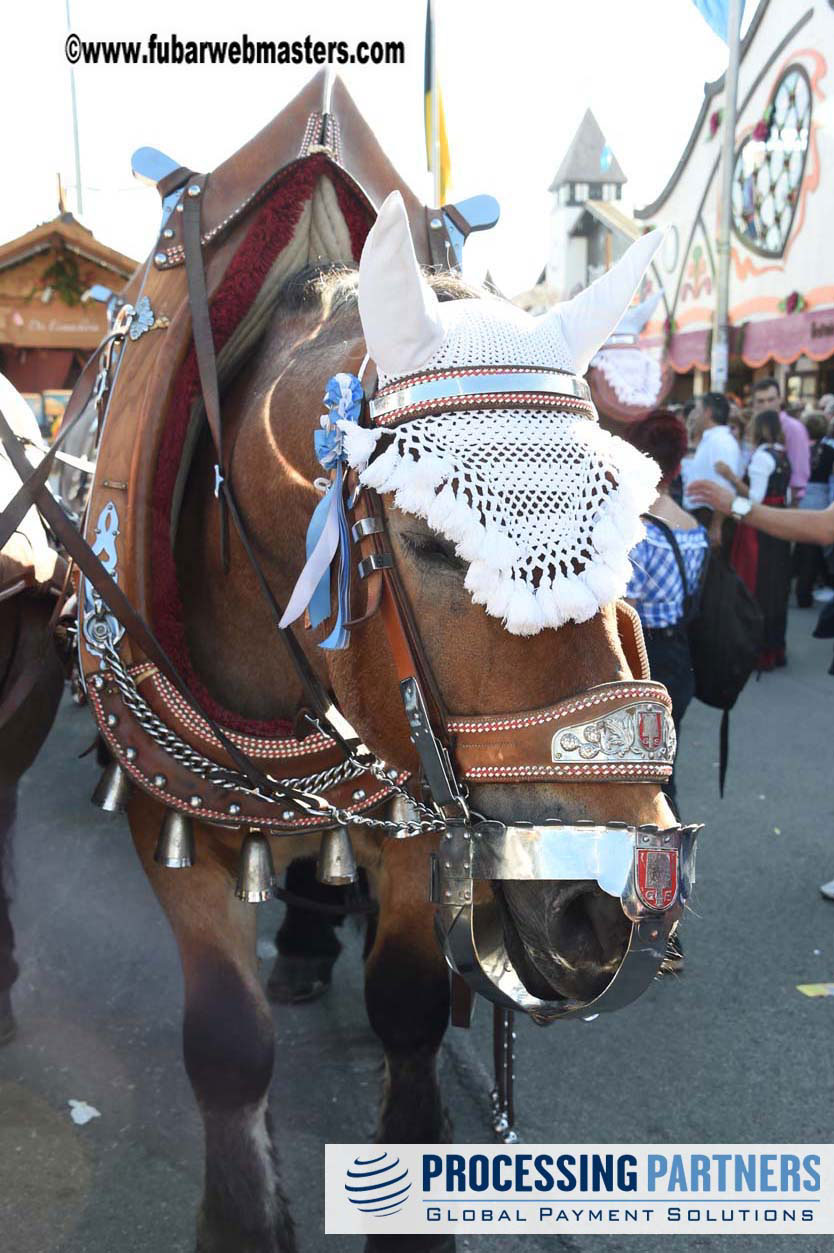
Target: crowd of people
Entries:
(762, 455)
(755, 484)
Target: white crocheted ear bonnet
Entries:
(543, 504)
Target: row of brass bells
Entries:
(175, 847)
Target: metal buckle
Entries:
(376, 561)
(434, 758)
(367, 526)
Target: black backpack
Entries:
(726, 635)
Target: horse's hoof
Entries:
(295, 980)
(8, 1026)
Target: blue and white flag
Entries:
(717, 13)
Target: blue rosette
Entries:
(328, 533)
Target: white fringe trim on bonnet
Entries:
(544, 507)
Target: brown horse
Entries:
(565, 938)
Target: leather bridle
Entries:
(650, 870)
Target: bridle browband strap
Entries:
(479, 388)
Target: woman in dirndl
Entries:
(761, 561)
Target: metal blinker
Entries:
(336, 865)
(256, 872)
(112, 790)
(175, 846)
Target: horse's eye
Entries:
(433, 550)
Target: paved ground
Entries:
(728, 1051)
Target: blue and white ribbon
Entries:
(328, 531)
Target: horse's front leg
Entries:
(407, 997)
(228, 1040)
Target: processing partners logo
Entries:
(580, 1189)
(378, 1184)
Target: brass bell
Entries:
(175, 846)
(336, 863)
(112, 790)
(256, 873)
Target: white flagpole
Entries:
(720, 362)
(435, 109)
(79, 198)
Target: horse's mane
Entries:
(327, 291)
(332, 287)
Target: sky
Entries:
(516, 75)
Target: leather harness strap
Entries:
(203, 338)
(386, 594)
(204, 343)
(620, 731)
(174, 181)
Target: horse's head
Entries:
(503, 525)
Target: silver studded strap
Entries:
(308, 787)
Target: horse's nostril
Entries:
(567, 936)
(587, 924)
(574, 922)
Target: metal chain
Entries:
(308, 786)
(431, 820)
(195, 761)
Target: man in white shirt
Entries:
(716, 443)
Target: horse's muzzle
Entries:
(650, 870)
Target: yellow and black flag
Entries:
(432, 116)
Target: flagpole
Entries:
(435, 110)
(720, 362)
(79, 199)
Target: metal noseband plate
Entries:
(650, 870)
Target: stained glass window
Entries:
(770, 165)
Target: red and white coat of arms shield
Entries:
(657, 876)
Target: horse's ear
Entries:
(590, 317)
(399, 311)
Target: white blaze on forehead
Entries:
(543, 505)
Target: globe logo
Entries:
(378, 1185)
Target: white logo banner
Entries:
(404, 1189)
